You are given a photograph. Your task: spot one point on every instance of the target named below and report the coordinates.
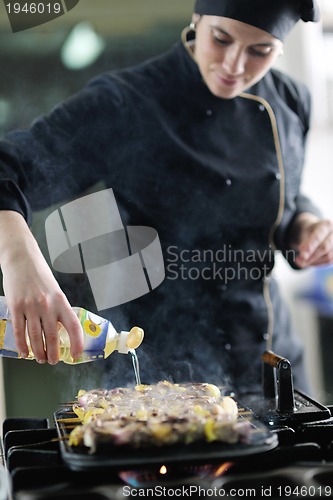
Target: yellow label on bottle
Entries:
(2, 332)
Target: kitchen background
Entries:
(43, 65)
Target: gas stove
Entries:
(300, 466)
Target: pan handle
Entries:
(273, 359)
(284, 381)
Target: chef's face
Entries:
(231, 55)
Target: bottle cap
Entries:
(130, 340)
(135, 337)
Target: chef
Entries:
(206, 144)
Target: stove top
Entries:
(299, 467)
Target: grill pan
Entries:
(79, 459)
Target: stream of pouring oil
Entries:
(136, 366)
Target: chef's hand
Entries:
(312, 238)
(34, 297)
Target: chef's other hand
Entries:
(312, 238)
(33, 295)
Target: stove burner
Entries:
(173, 475)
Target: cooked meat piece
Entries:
(156, 415)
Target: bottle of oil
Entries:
(100, 337)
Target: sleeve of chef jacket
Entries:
(299, 100)
(65, 152)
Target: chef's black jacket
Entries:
(218, 179)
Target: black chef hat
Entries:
(274, 16)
